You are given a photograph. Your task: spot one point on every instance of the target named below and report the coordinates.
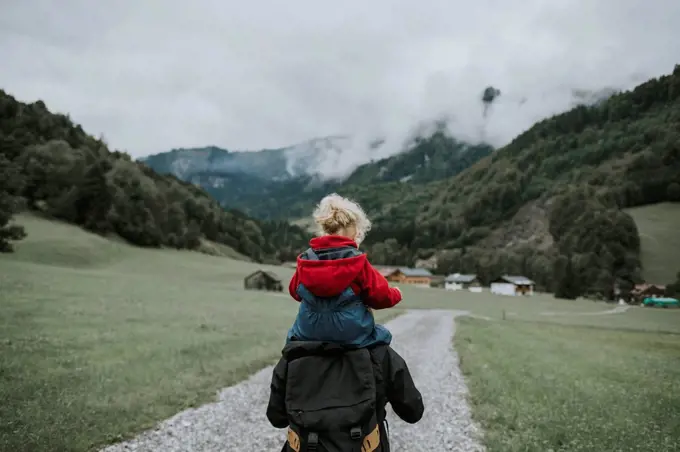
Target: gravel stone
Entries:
(237, 420)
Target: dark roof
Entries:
(415, 271)
(273, 276)
(517, 280)
(385, 271)
(644, 287)
(458, 278)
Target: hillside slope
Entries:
(659, 229)
(548, 204)
(302, 159)
(51, 165)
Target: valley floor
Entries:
(100, 341)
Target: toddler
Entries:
(335, 283)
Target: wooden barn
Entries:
(457, 281)
(263, 280)
(512, 286)
(416, 276)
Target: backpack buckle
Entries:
(312, 441)
(355, 433)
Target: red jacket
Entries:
(327, 278)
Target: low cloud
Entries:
(161, 74)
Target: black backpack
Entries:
(331, 404)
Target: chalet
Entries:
(416, 276)
(457, 281)
(512, 286)
(263, 280)
(642, 291)
(385, 271)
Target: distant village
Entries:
(508, 285)
(503, 285)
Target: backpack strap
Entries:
(371, 441)
(311, 255)
(312, 441)
(342, 252)
(293, 441)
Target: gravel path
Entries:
(237, 420)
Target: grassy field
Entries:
(544, 308)
(658, 226)
(99, 339)
(544, 387)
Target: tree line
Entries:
(50, 165)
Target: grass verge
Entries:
(540, 387)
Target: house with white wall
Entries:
(457, 281)
(512, 286)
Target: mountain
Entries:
(184, 163)
(50, 165)
(302, 159)
(284, 184)
(550, 204)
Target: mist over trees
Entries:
(549, 204)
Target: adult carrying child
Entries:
(338, 372)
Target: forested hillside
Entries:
(247, 180)
(549, 204)
(49, 164)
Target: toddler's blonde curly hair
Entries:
(335, 214)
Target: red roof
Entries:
(645, 286)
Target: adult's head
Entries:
(335, 215)
(334, 398)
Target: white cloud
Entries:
(156, 74)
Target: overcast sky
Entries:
(151, 75)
